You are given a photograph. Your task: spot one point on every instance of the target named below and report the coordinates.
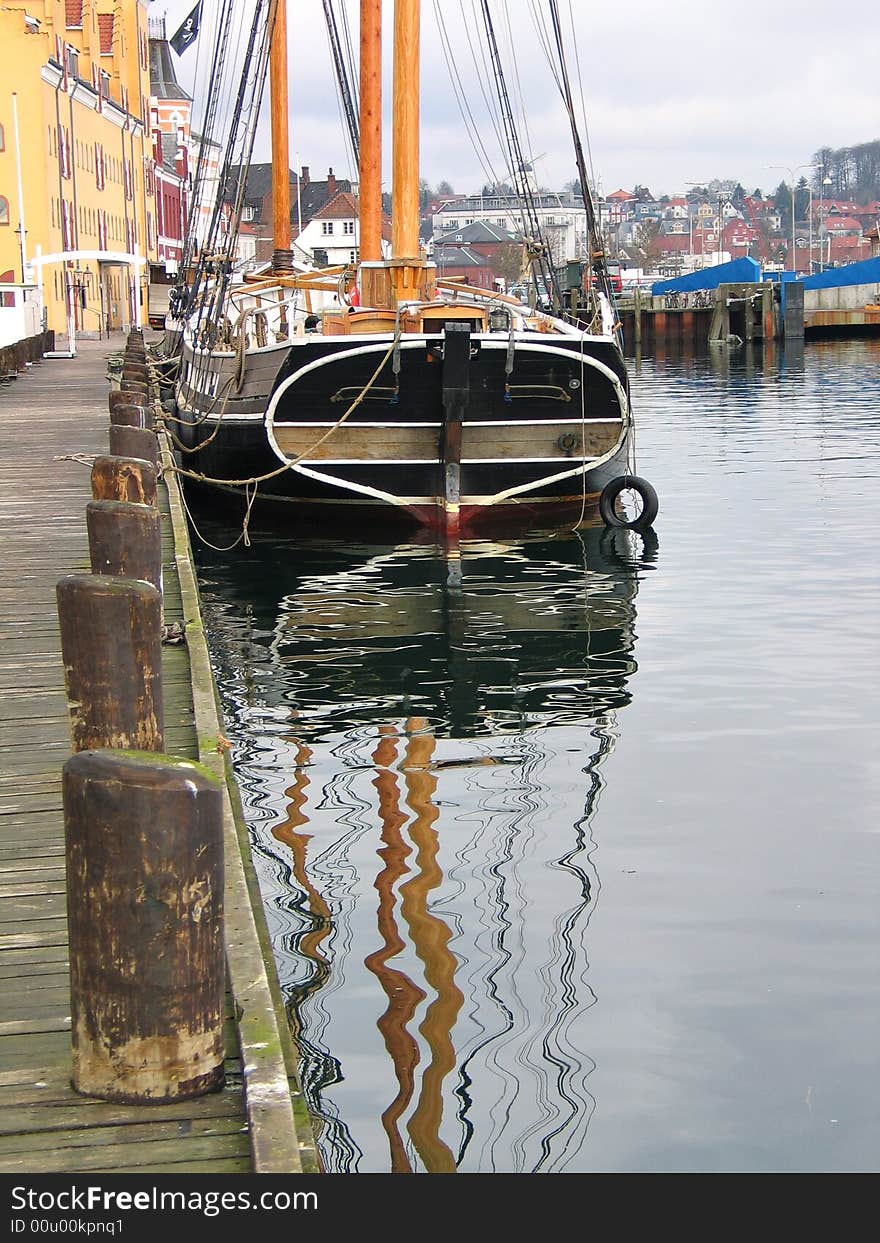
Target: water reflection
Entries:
(421, 765)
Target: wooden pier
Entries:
(257, 1123)
(732, 312)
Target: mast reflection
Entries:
(432, 726)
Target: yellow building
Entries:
(77, 183)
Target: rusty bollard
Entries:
(137, 442)
(144, 855)
(123, 479)
(125, 540)
(111, 645)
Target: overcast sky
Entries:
(674, 92)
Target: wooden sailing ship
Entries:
(412, 397)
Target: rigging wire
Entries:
(483, 74)
(461, 99)
(598, 265)
(538, 250)
(583, 102)
(343, 85)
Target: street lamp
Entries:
(791, 172)
(826, 181)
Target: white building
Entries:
(562, 218)
(332, 236)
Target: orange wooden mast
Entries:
(282, 259)
(370, 173)
(411, 276)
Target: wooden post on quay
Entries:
(131, 414)
(111, 645)
(125, 540)
(144, 855)
(123, 479)
(124, 397)
(136, 442)
(637, 319)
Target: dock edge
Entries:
(278, 1122)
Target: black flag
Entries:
(181, 40)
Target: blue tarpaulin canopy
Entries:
(737, 272)
(865, 273)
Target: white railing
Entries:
(20, 316)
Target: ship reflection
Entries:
(421, 767)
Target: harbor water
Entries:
(575, 867)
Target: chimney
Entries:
(331, 184)
(304, 175)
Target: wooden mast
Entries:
(282, 259)
(409, 272)
(371, 132)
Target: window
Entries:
(327, 228)
(348, 226)
(4, 210)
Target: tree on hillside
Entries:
(507, 262)
(648, 242)
(854, 171)
(782, 199)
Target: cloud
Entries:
(679, 92)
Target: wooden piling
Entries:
(131, 414)
(123, 479)
(136, 442)
(111, 646)
(125, 540)
(144, 856)
(124, 397)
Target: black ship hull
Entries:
(533, 425)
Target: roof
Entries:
(163, 81)
(314, 194)
(480, 232)
(169, 150)
(459, 256)
(105, 33)
(835, 223)
(620, 196)
(343, 207)
(73, 13)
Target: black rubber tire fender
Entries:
(613, 489)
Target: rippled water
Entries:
(576, 868)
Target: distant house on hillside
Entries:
(332, 236)
(307, 197)
(462, 263)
